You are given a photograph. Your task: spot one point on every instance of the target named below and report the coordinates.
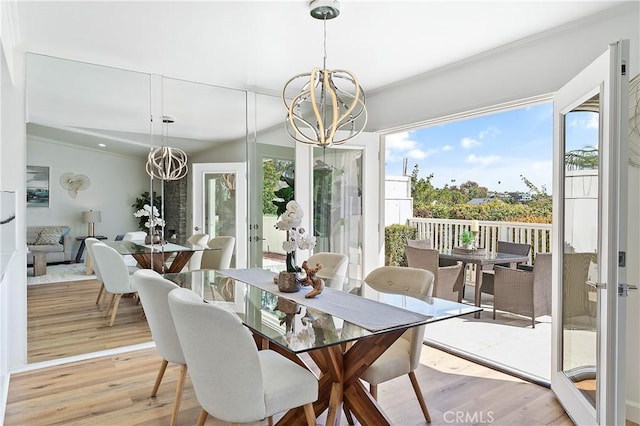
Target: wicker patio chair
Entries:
(503, 247)
(524, 292)
(423, 243)
(574, 288)
(448, 278)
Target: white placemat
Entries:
(366, 313)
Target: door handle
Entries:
(623, 289)
(599, 286)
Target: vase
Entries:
(288, 282)
(152, 239)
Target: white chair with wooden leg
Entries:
(334, 268)
(232, 380)
(154, 294)
(115, 276)
(92, 263)
(403, 357)
(220, 255)
(196, 259)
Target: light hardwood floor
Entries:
(115, 390)
(63, 320)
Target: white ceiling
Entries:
(259, 45)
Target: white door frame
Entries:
(371, 193)
(200, 170)
(605, 76)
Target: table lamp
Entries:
(91, 217)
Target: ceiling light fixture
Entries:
(164, 162)
(326, 107)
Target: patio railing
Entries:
(445, 233)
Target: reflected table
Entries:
(343, 333)
(155, 256)
(479, 260)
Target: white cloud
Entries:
(469, 143)
(399, 142)
(447, 148)
(490, 131)
(591, 122)
(476, 159)
(418, 154)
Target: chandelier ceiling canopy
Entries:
(324, 107)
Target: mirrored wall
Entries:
(98, 122)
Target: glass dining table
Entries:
(343, 332)
(162, 258)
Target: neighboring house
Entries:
(398, 203)
(480, 201)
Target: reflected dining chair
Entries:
(233, 381)
(154, 295)
(196, 258)
(220, 256)
(334, 268)
(137, 236)
(403, 357)
(524, 292)
(89, 242)
(115, 276)
(447, 283)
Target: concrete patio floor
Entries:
(508, 343)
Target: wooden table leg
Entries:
(340, 383)
(39, 263)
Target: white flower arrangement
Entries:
(153, 214)
(290, 221)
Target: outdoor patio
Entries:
(508, 342)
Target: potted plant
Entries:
(467, 239)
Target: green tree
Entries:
(272, 171)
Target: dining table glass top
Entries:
(298, 324)
(139, 247)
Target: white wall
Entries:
(116, 181)
(519, 71)
(13, 297)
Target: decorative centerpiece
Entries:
(154, 223)
(290, 221)
(467, 238)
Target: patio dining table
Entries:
(155, 256)
(342, 332)
(481, 259)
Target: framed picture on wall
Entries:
(37, 186)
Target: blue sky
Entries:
(492, 150)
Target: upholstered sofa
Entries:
(53, 239)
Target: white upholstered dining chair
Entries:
(196, 258)
(220, 256)
(89, 242)
(115, 276)
(334, 268)
(154, 295)
(403, 357)
(233, 381)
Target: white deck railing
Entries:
(445, 233)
